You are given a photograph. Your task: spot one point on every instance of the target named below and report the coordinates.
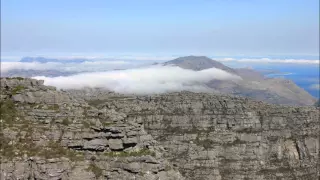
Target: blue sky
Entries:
(166, 27)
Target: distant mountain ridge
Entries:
(46, 60)
(198, 63)
(253, 84)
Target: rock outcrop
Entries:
(46, 134)
(220, 137)
(50, 134)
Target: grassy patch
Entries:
(11, 118)
(142, 152)
(108, 123)
(17, 89)
(55, 150)
(95, 102)
(25, 146)
(8, 112)
(18, 78)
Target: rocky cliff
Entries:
(217, 137)
(47, 134)
(50, 134)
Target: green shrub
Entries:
(17, 89)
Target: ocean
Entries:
(305, 76)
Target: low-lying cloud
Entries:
(73, 67)
(125, 62)
(148, 80)
(268, 60)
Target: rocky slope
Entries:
(46, 134)
(51, 134)
(216, 137)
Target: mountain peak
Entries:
(198, 63)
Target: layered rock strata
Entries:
(50, 134)
(46, 134)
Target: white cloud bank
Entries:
(74, 67)
(125, 62)
(142, 57)
(149, 80)
(268, 60)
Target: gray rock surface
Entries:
(172, 136)
(65, 138)
(220, 137)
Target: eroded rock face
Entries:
(220, 137)
(68, 139)
(171, 136)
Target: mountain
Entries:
(253, 84)
(46, 60)
(52, 134)
(249, 74)
(198, 63)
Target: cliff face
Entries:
(50, 134)
(47, 134)
(216, 137)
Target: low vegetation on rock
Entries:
(172, 136)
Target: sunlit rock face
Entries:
(221, 137)
(52, 134)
